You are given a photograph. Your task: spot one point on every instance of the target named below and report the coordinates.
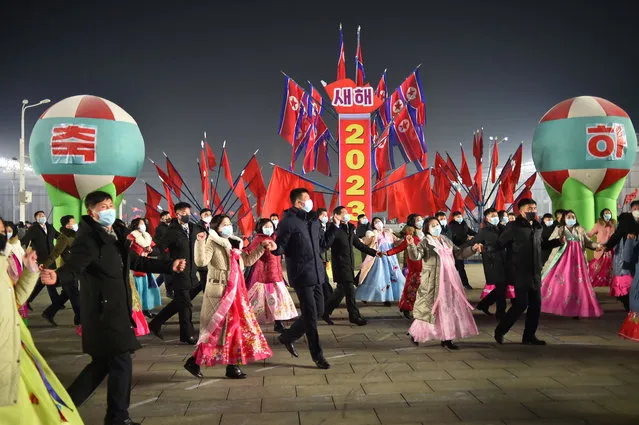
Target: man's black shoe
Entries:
(289, 346)
(327, 319)
(322, 363)
(499, 338)
(193, 368)
(49, 319)
(359, 321)
(190, 340)
(157, 332)
(533, 341)
(122, 422)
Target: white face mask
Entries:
(324, 220)
(142, 228)
(494, 221)
(9, 235)
(275, 221)
(435, 230)
(346, 218)
(308, 205)
(75, 227)
(207, 219)
(226, 231)
(268, 231)
(364, 221)
(635, 214)
(442, 222)
(549, 223)
(379, 226)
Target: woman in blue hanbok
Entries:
(381, 278)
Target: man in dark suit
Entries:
(160, 231)
(322, 216)
(40, 237)
(299, 238)
(343, 265)
(180, 241)
(101, 259)
(461, 233)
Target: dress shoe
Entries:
(156, 331)
(234, 372)
(450, 345)
(121, 422)
(408, 314)
(278, 327)
(193, 368)
(327, 319)
(359, 321)
(533, 341)
(190, 340)
(289, 346)
(484, 310)
(322, 363)
(49, 319)
(499, 338)
(412, 339)
(387, 303)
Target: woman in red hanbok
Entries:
(600, 267)
(229, 332)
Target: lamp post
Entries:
(23, 194)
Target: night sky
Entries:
(180, 70)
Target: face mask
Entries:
(74, 227)
(275, 221)
(494, 221)
(346, 218)
(324, 220)
(607, 217)
(42, 220)
(530, 216)
(106, 217)
(308, 205)
(442, 222)
(167, 221)
(207, 219)
(504, 220)
(268, 231)
(549, 223)
(635, 214)
(226, 231)
(364, 221)
(570, 222)
(379, 226)
(184, 219)
(459, 219)
(9, 235)
(142, 228)
(435, 231)
(419, 224)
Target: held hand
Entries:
(410, 240)
(201, 236)
(179, 265)
(380, 254)
(478, 247)
(48, 277)
(30, 261)
(468, 237)
(148, 249)
(631, 236)
(272, 246)
(40, 266)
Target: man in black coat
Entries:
(363, 226)
(523, 237)
(40, 237)
(322, 216)
(548, 226)
(494, 262)
(101, 259)
(180, 242)
(298, 237)
(160, 231)
(441, 217)
(343, 265)
(202, 226)
(461, 233)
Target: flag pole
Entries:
(231, 190)
(169, 186)
(217, 178)
(192, 197)
(499, 180)
(237, 197)
(305, 178)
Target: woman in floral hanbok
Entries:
(147, 288)
(441, 309)
(566, 288)
(381, 278)
(14, 253)
(229, 332)
(601, 265)
(268, 295)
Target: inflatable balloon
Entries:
(82, 144)
(583, 148)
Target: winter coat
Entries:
(523, 240)
(603, 231)
(10, 344)
(268, 268)
(181, 246)
(140, 241)
(493, 256)
(626, 225)
(342, 259)
(459, 233)
(300, 240)
(62, 247)
(102, 263)
(576, 232)
(426, 252)
(546, 232)
(41, 242)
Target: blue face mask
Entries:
(268, 231)
(504, 219)
(607, 217)
(42, 220)
(364, 221)
(106, 217)
(494, 221)
(459, 219)
(419, 224)
(436, 231)
(226, 231)
(570, 222)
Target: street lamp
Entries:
(23, 193)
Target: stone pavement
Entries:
(586, 375)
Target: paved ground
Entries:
(587, 375)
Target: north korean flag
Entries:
(413, 94)
(292, 107)
(383, 160)
(408, 135)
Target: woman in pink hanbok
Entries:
(600, 266)
(441, 310)
(566, 284)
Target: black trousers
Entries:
(70, 292)
(498, 296)
(461, 269)
(119, 368)
(311, 300)
(53, 292)
(327, 289)
(525, 298)
(203, 275)
(343, 290)
(182, 306)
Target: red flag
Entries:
(163, 176)
(451, 170)
(458, 204)
(398, 199)
(153, 197)
(240, 192)
(277, 194)
(341, 61)
(153, 217)
(407, 135)
(517, 158)
(334, 198)
(323, 163)
(253, 176)
(412, 92)
(500, 202)
(216, 198)
(246, 222)
(204, 178)
(383, 154)
(212, 162)
(227, 168)
(465, 171)
(472, 197)
(291, 109)
(382, 89)
(401, 203)
(379, 196)
(169, 199)
(360, 75)
(175, 180)
(423, 161)
(493, 162)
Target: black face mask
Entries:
(530, 216)
(184, 219)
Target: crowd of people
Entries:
(111, 275)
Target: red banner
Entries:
(355, 164)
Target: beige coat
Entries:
(10, 319)
(426, 251)
(215, 253)
(577, 232)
